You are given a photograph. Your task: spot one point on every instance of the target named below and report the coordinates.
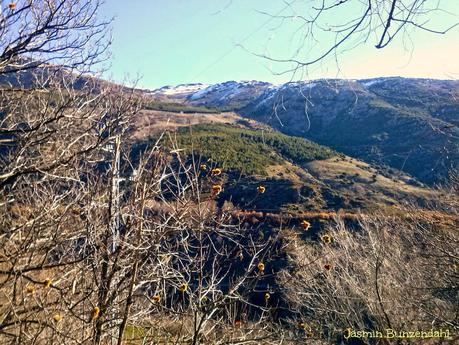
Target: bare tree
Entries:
(323, 28)
(95, 244)
(393, 273)
(196, 267)
(64, 33)
(101, 243)
(56, 125)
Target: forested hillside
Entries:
(233, 213)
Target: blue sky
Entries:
(169, 42)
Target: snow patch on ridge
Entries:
(182, 89)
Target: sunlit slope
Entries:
(297, 174)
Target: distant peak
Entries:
(181, 89)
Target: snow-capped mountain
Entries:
(179, 91)
(234, 94)
(228, 94)
(409, 122)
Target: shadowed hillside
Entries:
(407, 124)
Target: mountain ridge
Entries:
(410, 124)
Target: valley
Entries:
(148, 197)
(414, 130)
(353, 175)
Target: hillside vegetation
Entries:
(176, 107)
(123, 225)
(408, 124)
(298, 175)
(247, 151)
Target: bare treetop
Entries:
(67, 33)
(322, 28)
